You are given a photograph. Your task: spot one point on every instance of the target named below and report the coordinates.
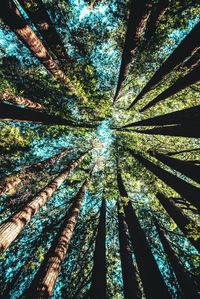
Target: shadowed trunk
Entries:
(139, 14)
(184, 223)
(186, 190)
(98, 283)
(131, 288)
(185, 167)
(152, 280)
(186, 283)
(44, 281)
(183, 151)
(11, 228)
(186, 48)
(180, 84)
(177, 117)
(18, 100)
(6, 186)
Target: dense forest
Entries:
(99, 149)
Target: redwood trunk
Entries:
(44, 282)
(12, 98)
(11, 228)
(185, 224)
(185, 281)
(98, 283)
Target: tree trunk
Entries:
(44, 282)
(180, 84)
(7, 186)
(186, 283)
(131, 288)
(184, 223)
(177, 117)
(12, 98)
(183, 151)
(189, 45)
(152, 280)
(139, 14)
(98, 283)
(185, 167)
(186, 190)
(11, 228)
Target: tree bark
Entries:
(11, 228)
(189, 45)
(131, 288)
(184, 223)
(6, 186)
(152, 280)
(185, 281)
(180, 84)
(44, 282)
(186, 190)
(139, 14)
(98, 283)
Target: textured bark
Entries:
(139, 14)
(130, 283)
(186, 190)
(152, 280)
(7, 185)
(98, 283)
(177, 117)
(12, 98)
(44, 282)
(180, 84)
(187, 168)
(183, 277)
(185, 224)
(185, 49)
(11, 228)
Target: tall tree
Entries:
(139, 14)
(44, 281)
(98, 282)
(130, 281)
(180, 84)
(184, 279)
(11, 228)
(186, 190)
(7, 185)
(152, 280)
(189, 45)
(185, 224)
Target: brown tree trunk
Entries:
(185, 224)
(98, 283)
(7, 185)
(44, 282)
(186, 48)
(130, 282)
(11, 228)
(139, 14)
(152, 280)
(186, 283)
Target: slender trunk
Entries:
(11, 228)
(183, 151)
(185, 167)
(193, 61)
(7, 185)
(139, 14)
(180, 84)
(186, 190)
(177, 117)
(98, 283)
(186, 283)
(152, 280)
(130, 282)
(44, 282)
(188, 130)
(184, 223)
(189, 45)
(12, 98)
